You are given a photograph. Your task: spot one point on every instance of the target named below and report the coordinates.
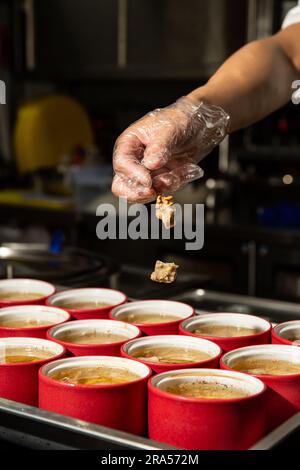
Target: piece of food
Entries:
(164, 272)
(165, 210)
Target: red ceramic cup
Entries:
(82, 327)
(283, 397)
(28, 313)
(130, 349)
(167, 307)
(27, 286)
(235, 319)
(119, 406)
(19, 381)
(111, 297)
(285, 333)
(206, 424)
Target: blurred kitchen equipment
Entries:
(34, 199)
(47, 129)
(70, 267)
(88, 182)
(5, 145)
(74, 267)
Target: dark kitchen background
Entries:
(77, 73)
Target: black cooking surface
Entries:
(70, 267)
(73, 267)
(136, 282)
(53, 267)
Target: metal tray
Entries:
(210, 301)
(32, 428)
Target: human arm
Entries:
(159, 153)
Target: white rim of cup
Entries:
(109, 326)
(253, 385)
(189, 342)
(287, 327)
(23, 341)
(142, 370)
(27, 285)
(240, 319)
(272, 351)
(86, 294)
(179, 309)
(35, 312)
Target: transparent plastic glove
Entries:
(159, 153)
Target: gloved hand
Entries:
(159, 153)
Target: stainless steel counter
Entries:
(274, 310)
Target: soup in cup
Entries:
(94, 337)
(110, 391)
(228, 330)
(206, 409)
(169, 352)
(20, 360)
(287, 333)
(278, 366)
(30, 320)
(88, 303)
(154, 317)
(24, 292)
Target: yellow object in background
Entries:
(31, 199)
(49, 128)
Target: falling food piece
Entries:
(165, 273)
(165, 210)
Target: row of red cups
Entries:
(45, 294)
(132, 331)
(124, 406)
(116, 310)
(282, 391)
(260, 396)
(185, 422)
(57, 315)
(186, 324)
(188, 423)
(114, 298)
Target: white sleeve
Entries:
(292, 17)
